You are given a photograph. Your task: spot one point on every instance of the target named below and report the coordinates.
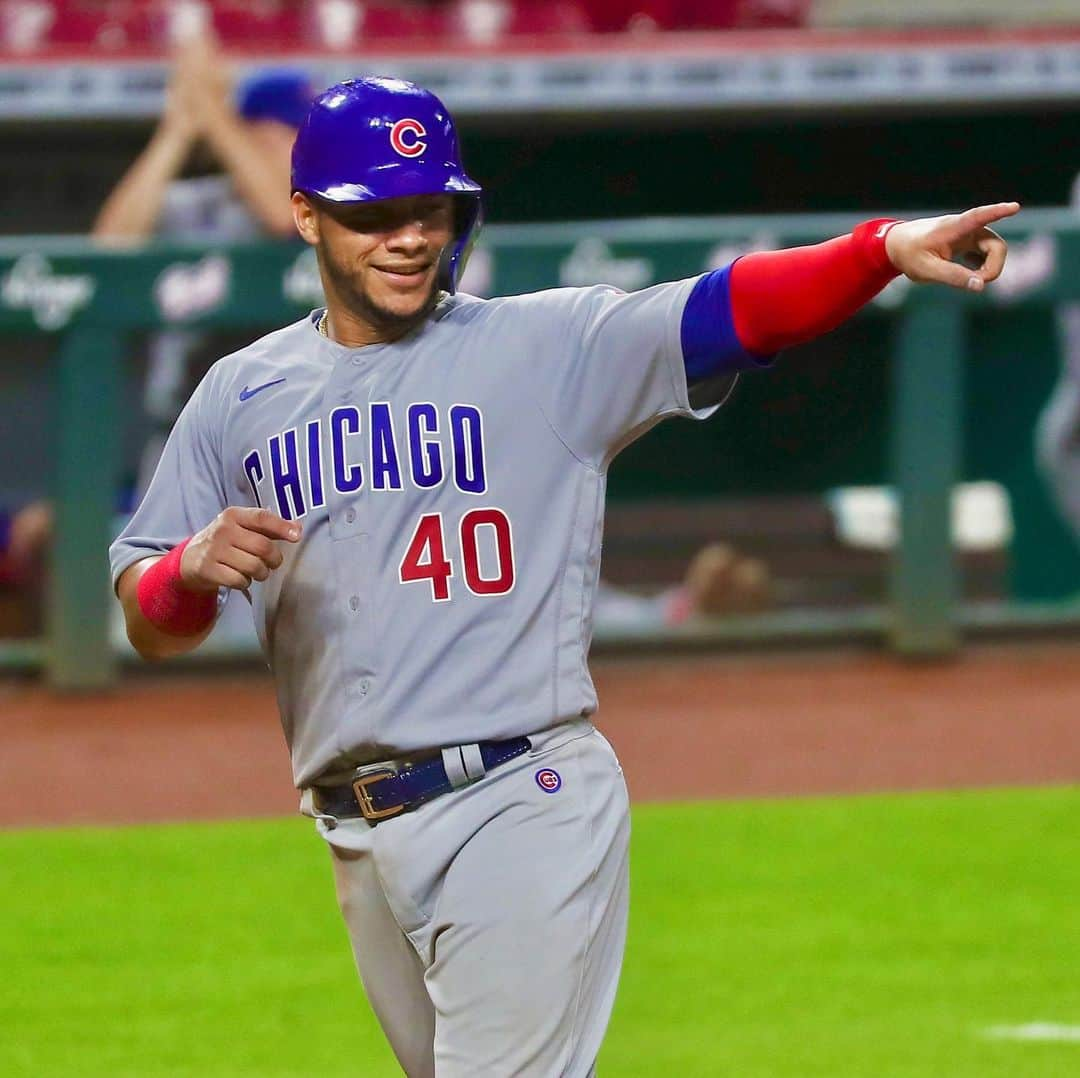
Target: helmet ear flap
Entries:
(468, 220)
(447, 276)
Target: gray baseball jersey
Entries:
(451, 490)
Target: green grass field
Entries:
(871, 936)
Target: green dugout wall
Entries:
(954, 379)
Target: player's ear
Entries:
(306, 218)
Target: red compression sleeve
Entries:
(167, 604)
(784, 298)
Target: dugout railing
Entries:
(89, 300)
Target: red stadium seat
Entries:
(484, 21)
(479, 21)
(401, 20)
(339, 24)
(773, 13)
(551, 17)
(619, 15)
(258, 23)
(103, 24)
(616, 16)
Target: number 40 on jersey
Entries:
(487, 529)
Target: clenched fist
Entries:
(236, 548)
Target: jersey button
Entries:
(354, 602)
(364, 686)
(350, 515)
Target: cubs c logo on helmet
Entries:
(407, 138)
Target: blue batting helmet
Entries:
(376, 138)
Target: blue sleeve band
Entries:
(710, 344)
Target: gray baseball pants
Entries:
(488, 926)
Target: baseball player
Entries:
(409, 487)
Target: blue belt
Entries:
(380, 791)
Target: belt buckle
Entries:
(368, 776)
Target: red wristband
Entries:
(170, 606)
(870, 238)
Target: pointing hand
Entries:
(924, 250)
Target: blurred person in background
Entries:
(24, 538)
(246, 137)
(249, 135)
(1058, 428)
(242, 140)
(718, 581)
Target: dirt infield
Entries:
(181, 747)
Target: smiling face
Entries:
(379, 260)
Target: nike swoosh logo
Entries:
(246, 394)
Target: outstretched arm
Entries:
(783, 298)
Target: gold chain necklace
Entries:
(322, 324)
